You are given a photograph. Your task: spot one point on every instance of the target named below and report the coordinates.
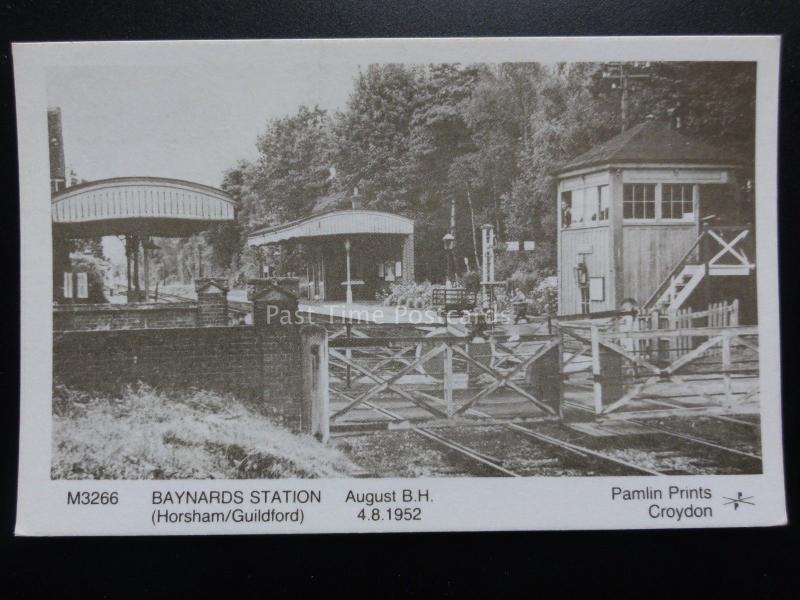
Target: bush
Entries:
(413, 295)
(544, 298)
(95, 269)
(525, 281)
(541, 293)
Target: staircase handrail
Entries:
(675, 270)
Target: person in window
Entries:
(566, 213)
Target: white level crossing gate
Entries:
(419, 378)
(384, 376)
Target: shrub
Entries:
(544, 298)
(414, 295)
(541, 293)
(525, 281)
(95, 269)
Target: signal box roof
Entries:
(652, 142)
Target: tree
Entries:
(372, 138)
(293, 168)
(488, 138)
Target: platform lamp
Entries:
(449, 241)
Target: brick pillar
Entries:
(408, 258)
(274, 318)
(273, 305)
(212, 302)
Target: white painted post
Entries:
(448, 379)
(349, 287)
(315, 381)
(487, 268)
(491, 254)
(596, 373)
(726, 367)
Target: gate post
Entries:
(726, 368)
(316, 401)
(560, 350)
(596, 372)
(447, 379)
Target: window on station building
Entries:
(639, 201)
(677, 201)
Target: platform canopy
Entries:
(340, 222)
(142, 206)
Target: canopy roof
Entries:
(139, 205)
(654, 141)
(340, 222)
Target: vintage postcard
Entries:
(398, 285)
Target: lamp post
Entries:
(449, 242)
(349, 293)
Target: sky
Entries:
(189, 122)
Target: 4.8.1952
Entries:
(390, 514)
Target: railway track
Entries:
(495, 464)
(530, 432)
(683, 436)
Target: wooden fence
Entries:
(718, 314)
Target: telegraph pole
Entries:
(621, 76)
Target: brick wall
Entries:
(124, 316)
(255, 363)
(180, 346)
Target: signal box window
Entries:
(639, 201)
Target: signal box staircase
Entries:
(717, 252)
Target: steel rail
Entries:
(677, 434)
(575, 448)
(453, 445)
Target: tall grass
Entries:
(147, 434)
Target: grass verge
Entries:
(147, 434)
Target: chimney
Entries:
(355, 199)
(58, 179)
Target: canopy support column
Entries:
(132, 244)
(146, 261)
(349, 286)
(136, 284)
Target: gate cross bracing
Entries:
(709, 369)
(443, 376)
(610, 368)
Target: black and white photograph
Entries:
(274, 261)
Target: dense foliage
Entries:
(413, 138)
